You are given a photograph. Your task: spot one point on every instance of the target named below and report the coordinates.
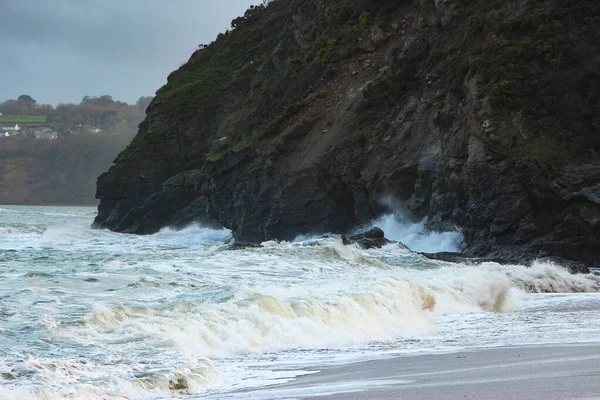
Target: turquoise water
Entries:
(96, 315)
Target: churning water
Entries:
(96, 315)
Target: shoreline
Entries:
(560, 372)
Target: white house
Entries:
(45, 133)
(11, 128)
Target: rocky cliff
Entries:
(477, 114)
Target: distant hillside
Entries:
(75, 143)
(58, 172)
(92, 113)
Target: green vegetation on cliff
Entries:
(536, 66)
(535, 63)
(240, 88)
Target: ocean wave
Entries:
(389, 305)
(74, 235)
(393, 305)
(546, 277)
(58, 380)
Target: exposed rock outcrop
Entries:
(424, 107)
(373, 238)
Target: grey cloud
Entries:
(65, 49)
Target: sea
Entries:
(92, 314)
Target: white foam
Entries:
(547, 277)
(415, 235)
(54, 380)
(261, 322)
(193, 234)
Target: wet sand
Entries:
(541, 372)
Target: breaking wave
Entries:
(417, 237)
(389, 304)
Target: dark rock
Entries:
(371, 239)
(366, 45)
(375, 233)
(237, 245)
(380, 36)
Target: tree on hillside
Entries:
(107, 117)
(10, 107)
(143, 102)
(26, 100)
(102, 101)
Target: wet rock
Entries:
(371, 239)
(237, 245)
(375, 233)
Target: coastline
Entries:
(566, 371)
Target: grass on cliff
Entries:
(243, 85)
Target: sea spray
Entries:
(416, 236)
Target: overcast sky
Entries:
(61, 50)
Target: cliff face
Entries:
(308, 113)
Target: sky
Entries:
(59, 51)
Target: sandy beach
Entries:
(541, 372)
